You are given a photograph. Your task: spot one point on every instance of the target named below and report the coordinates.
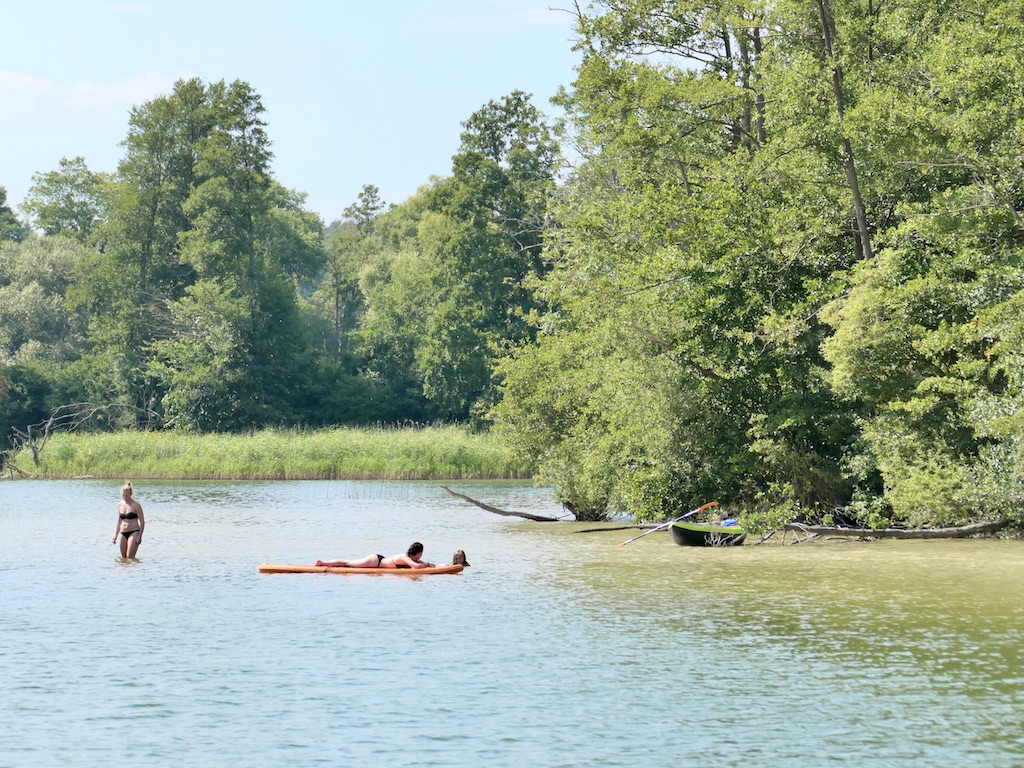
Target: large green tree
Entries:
(928, 336)
(138, 269)
(351, 245)
(684, 298)
(68, 201)
(196, 216)
(451, 293)
(35, 321)
(10, 227)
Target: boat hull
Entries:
(298, 568)
(703, 535)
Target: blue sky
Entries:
(357, 92)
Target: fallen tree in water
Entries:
(505, 512)
(810, 532)
(959, 532)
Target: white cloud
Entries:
(21, 82)
(24, 93)
(96, 95)
(20, 92)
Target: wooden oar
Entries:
(663, 526)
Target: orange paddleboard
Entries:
(293, 568)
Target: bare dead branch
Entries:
(505, 512)
(635, 526)
(66, 418)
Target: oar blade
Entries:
(666, 525)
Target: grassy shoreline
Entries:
(429, 453)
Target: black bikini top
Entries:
(128, 516)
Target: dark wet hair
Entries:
(414, 549)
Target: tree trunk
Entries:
(505, 512)
(960, 532)
(828, 30)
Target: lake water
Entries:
(556, 648)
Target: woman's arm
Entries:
(408, 561)
(142, 519)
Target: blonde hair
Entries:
(127, 487)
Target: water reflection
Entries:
(896, 625)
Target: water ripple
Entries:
(554, 649)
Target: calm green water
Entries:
(554, 649)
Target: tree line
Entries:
(770, 255)
(192, 284)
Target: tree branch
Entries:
(706, 373)
(505, 512)
(66, 417)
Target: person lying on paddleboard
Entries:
(411, 559)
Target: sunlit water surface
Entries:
(556, 648)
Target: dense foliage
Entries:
(195, 289)
(781, 270)
(788, 269)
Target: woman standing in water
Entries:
(130, 523)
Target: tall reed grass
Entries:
(428, 453)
